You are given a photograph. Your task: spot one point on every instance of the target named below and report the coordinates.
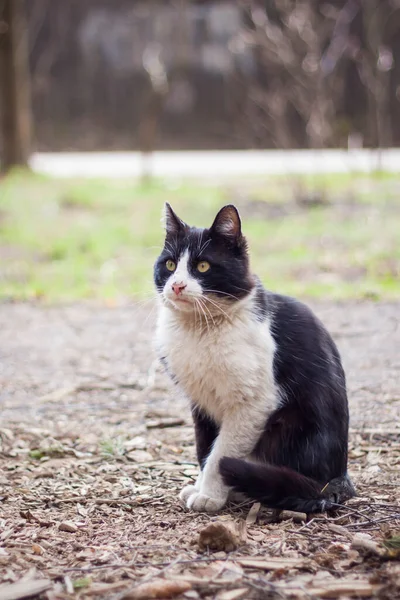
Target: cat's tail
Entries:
(279, 487)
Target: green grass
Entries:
(62, 240)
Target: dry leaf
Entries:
(340, 530)
(253, 514)
(222, 535)
(365, 545)
(104, 588)
(159, 588)
(24, 589)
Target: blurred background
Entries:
(313, 87)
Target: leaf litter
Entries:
(89, 477)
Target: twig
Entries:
(117, 501)
(142, 564)
(352, 510)
(374, 521)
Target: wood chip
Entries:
(352, 588)
(232, 594)
(68, 526)
(298, 517)
(271, 564)
(163, 423)
(159, 588)
(24, 589)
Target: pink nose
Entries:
(178, 288)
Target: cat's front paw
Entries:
(187, 492)
(203, 503)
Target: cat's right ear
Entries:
(172, 223)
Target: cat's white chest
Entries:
(222, 367)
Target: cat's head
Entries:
(203, 271)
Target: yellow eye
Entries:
(203, 266)
(171, 266)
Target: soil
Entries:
(95, 445)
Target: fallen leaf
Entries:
(159, 588)
(253, 514)
(365, 545)
(340, 530)
(222, 535)
(24, 589)
(37, 549)
(392, 546)
(82, 582)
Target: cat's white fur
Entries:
(225, 367)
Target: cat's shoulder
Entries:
(285, 312)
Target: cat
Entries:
(263, 376)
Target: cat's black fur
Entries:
(308, 433)
(304, 444)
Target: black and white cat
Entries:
(262, 374)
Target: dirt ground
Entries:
(95, 445)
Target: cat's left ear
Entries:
(227, 223)
(173, 224)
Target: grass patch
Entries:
(335, 236)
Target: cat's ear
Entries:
(173, 224)
(227, 223)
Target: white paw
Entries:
(203, 503)
(186, 492)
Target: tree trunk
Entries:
(15, 123)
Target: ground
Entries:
(96, 444)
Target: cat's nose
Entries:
(178, 288)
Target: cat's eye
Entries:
(203, 266)
(171, 266)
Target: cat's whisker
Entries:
(201, 326)
(209, 312)
(195, 316)
(223, 293)
(201, 305)
(218, 307)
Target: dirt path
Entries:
(93, 435)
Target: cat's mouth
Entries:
(180, 302)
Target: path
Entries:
(211, 164)
(94, 446)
